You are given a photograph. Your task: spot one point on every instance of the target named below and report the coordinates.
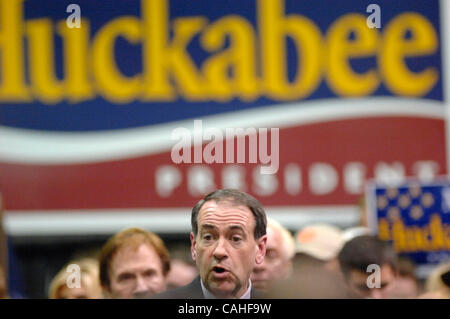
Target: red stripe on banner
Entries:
(131, 183)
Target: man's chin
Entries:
(224, 285)
(143, 295)
(222, 288)
(223, 292)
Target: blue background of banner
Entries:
(100, 114)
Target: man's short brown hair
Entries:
(237, 198)
(362, 251)
(132, 238)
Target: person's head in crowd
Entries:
(277, 264)
(65, 286)
(134, 263)
(182, 268)
(406, 284)
(320, 242)
(352, 232)
(228, 239)
(3, 284)
(309, 280)
(437, 285)
(181, 273)
(369, 266)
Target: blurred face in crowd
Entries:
(225, 249)
(87, 290)
(404, 287)
(357, 281)
(180, 273)
(276, 264)
(136, 273)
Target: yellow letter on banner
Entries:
(340, 75)
(110, 81)
(76, 65)
(45, 84)
(164, 60)
(274, 28)
(12, 75)
(240, 58)
(397, 76)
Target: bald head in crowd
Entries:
(277, 264)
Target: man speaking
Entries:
(228, 239)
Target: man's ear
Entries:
(261, 249)
(193, 250)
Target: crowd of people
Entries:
(238, 252)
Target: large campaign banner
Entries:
(117, 112)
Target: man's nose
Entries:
(220, 251)
(141, 285)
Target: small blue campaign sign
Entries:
(414, 216)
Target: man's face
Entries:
(136, 273)
(276, 264)
(225, 249)
(357, 281)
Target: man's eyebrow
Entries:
(207, 226)
(236, 227)
(124, 274)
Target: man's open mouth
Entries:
(218, 271)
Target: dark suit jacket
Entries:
(194, 291)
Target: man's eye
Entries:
(125, 277)
(149, 273)
(207, 237)
(236, 239)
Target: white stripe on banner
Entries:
(39, 147)
(105, 222)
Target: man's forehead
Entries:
(224, 212)
(224, 204)
(131, 253)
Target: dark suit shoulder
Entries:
(190, 291)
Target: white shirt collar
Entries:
(208, 295)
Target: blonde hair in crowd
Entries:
(89, 269)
